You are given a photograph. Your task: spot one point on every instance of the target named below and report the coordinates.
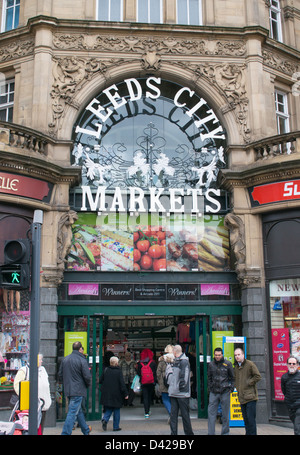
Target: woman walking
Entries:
(113, 393)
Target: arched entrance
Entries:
(149, 246)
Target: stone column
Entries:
(48, 343)
(247, 249)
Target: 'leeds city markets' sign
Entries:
(149, 144)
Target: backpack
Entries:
(147, 374)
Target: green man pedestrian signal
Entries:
(15, 273)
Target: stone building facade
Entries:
(60, 55)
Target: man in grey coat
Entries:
(178, 378)
(76, 376)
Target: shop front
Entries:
(281, 238)
(162, 310)
(14, 304)
(150, 261)
(21, 195)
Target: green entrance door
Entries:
(122, 328)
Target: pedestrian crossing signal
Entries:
(12, 276)
(15, 276)
(15, 273)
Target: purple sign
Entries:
(83, 289)
(215, 289)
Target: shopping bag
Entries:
(136, 384)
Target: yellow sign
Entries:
(24, 395)
(71, 337)
(236, 417)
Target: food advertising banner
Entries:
(178, 243)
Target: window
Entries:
(11, 12)
(275, 20)
(110, 10)
(189, 12)
(282, 115)
(285, 326)
(149, 11)
(7, 92)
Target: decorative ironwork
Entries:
(151, 165)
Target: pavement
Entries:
(133, 423)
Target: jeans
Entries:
(214, 400)
(249, 416)
(166, 401)
(75, 411)
(116, 416)
(183, 405)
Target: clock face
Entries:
(149, 133)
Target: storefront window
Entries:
(285, 326)
(14, 338)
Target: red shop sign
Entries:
(19, 185)
(275, 192)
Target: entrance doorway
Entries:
(104, 335)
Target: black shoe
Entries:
(104, 425)
(118, 429)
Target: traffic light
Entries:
(15, 273)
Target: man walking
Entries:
(220, 385)
(76, 376)
(178, 378)
(290, 386)
(246, 377)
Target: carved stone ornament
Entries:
(64, 237)
(229, 79)
(276, 62)
(151, 61)
(71, 73)
(51, 275)
(237, 242)
(250, 277)
(16, 49)
(138, 44)
(247, 276)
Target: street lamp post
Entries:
(35, 321)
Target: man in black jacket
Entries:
(290, 386)
(76, 376)
(220, 385)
